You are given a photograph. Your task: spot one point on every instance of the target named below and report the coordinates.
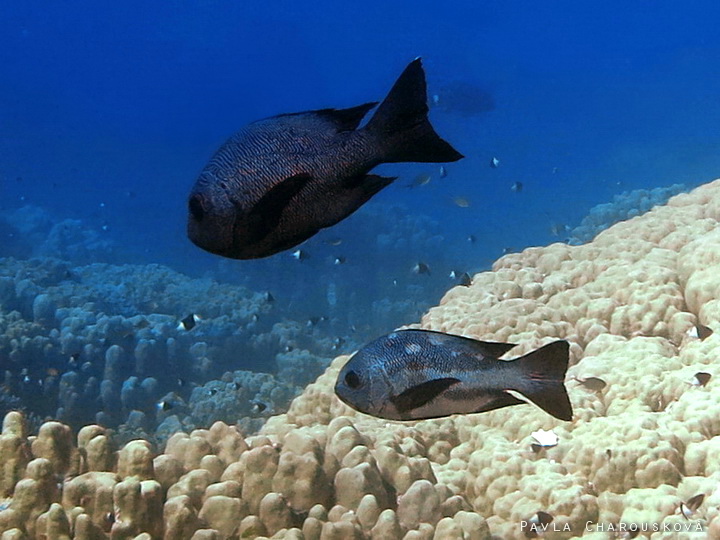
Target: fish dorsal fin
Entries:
(418, 395)
(265, 215)
(491, 349)
(343, 119)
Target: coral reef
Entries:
(623, 206)
(104, 344)
(629, 303)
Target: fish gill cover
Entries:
(572, 116)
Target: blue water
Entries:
(109, 111)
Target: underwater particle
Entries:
(543, 439)
(592, 383)
(700, 331)
(701, 378)
(421, 268)
(517, 187)
(494, 163)
(279, 181)
(189, 322)
(443, 171)
(461, 202)
(420, 374)
(338, 261)
(300, 255)
(688, 508)
(537, 524)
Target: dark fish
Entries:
(269, 298)
(462, 278)
(536, 526)
(421, 268)
(419, 374)
(471, 238)
(189, 322)
(420, 180)
(517, 187)
(339, 260)
(701, 378)
(278, 181)
(257, 406)
(300, 255)
(687, 509)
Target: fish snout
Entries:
(197, 206)
(209, 224)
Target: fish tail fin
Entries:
(402, 125)
(543, 378)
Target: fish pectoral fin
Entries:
(265, 215)
(423, 393)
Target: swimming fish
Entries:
(278, 181)
(419, 374)
(421, 268)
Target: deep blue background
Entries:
(123, 103)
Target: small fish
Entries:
(334, 242)
(700, 331)
(339, 260)
(337, 343)
(558, 229)
(421, 268)
(268, 297)
(688, 509)
(420, 180)
(494, 163)
(463, 278)
(701, 378)
(280, 180)
(592, 383)
(314, 321)
(257, 406)
(443, 172)
(420, 374)
(543, 439)
(462, 202)
(165, 405)
(189, 322)
(300, 255)
(471, 238)
(517, 187)
(537, 524)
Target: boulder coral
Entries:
(638, 447)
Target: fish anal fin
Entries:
(502, 399)
(266, 213)
(423, 393)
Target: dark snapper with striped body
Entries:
(420, 374)
(278, 181)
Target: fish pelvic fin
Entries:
(542, 375)
(402, 125)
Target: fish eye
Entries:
(352, 380)
(196, 208)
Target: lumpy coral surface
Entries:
(637, 450)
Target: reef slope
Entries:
(628, 302)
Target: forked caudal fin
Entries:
(542, 374)
(402, 124)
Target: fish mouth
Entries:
(208, 229)
(196, 207)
